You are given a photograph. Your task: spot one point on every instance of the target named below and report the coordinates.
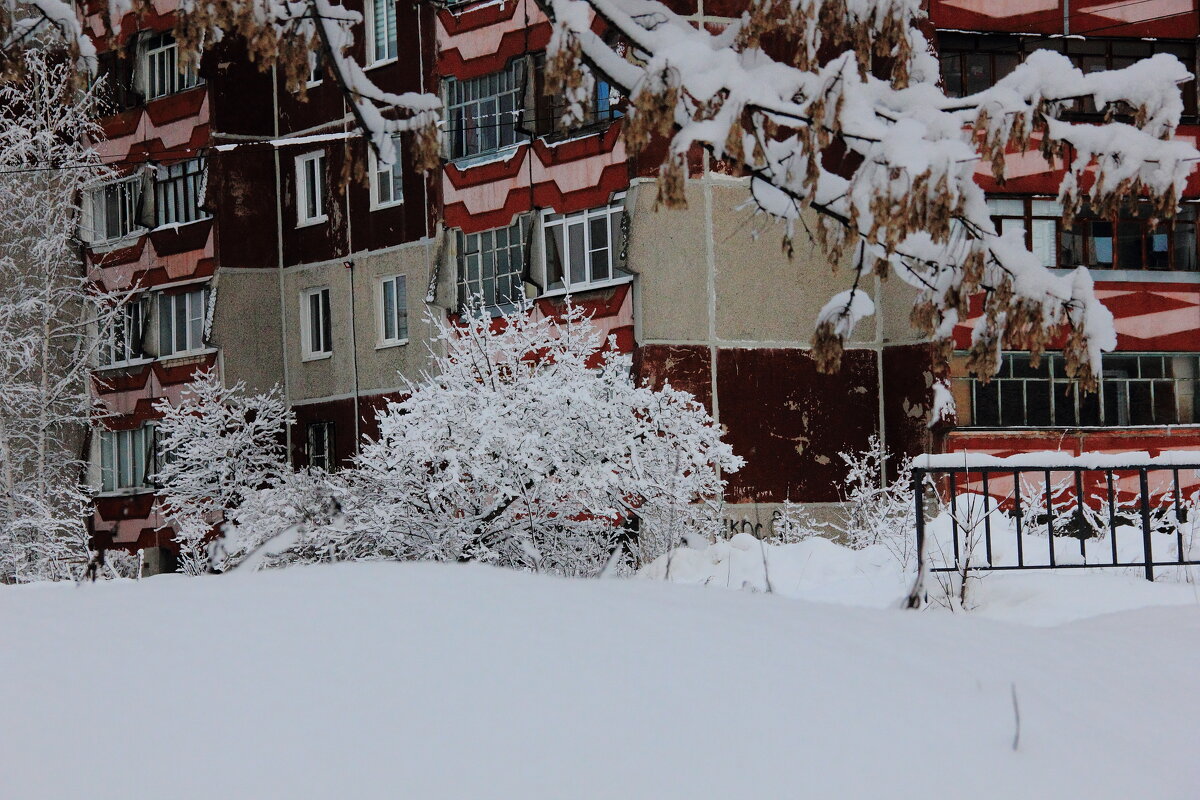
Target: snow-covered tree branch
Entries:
(52, 321)
(834, 105)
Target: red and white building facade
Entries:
(282, 268)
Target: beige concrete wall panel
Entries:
(667, 251)
(246, 328)
(761, 294)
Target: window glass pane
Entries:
(1100, 245)
(124, 462)
(326, 323)
(1141, 408)
(1006, 207)
(195, 301)
(598, 245)
(107, 467)
(389, 309)
(554, 255)
(1037, 400)
(1044, 243)
(1046, 208)
(575, 250)
(987, 403)
(1184, 245)
(1164, 403)
(314, 322)
(1012, 403)
(1129, 245)
(1064, 403)
(164, 326)
(977, 69)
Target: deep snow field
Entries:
(440, 681)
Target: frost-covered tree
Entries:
(220, 444)
(51, 321)
(529, 445)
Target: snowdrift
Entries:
(429, 681)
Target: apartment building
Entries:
(256, 251)
(1147, 276)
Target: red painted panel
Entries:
(907, 399)
(777, 411)
(1167, 19)
(513, 43)
(687, 367)
(1026, 16)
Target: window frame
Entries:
(112, 474)
(127, 336)
(399, 284)
(190, 297)
(1083, 238)
(1117, 394)
(614, 216)
(324, 311)
(516, 255)
(395, 172)
(97, 210)
(316, 157)
(474, 93)
(323, 431)
(188, 185)
(156, 51)
(373, 59)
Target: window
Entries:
(583, 248)
(387, 180)
(603, 108)
(393, 311)
(315, 72)
(319, 446)
(482, 112)
(491, 264)
(381, 22)
(111, 211)
(124, 341)
(310, 189)
(126, 459)
(317, 333)
(971, 63)
(161, 70)
(182, 319)
(1135, 389)
(1130, 243)
(178, 192)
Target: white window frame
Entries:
(194, 323)
(374, 57)
(394, 181)
(317, 159)
(160, 68)
(120, 463)
(399, 286)
(614, 273)
(315, 73)
(123, 343)
(483, 113)
(319, 437)
(325, 323)
(94, 224)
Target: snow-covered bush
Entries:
(878, 511)
(219, 446)
(530, 446)
(293, 520)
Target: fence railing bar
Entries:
(1147, 545)
(1178, 516)
(1080, 518)
(1049, 518)
(1019, 515)
(954, 514)
(1112, 514)
(987, 519)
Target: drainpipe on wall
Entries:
(283, 344)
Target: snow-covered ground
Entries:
(434, 681)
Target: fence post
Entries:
(1147, 547)
(917, 595)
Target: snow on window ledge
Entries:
(186, 354)
(109, 245)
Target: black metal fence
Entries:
(998, 515)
